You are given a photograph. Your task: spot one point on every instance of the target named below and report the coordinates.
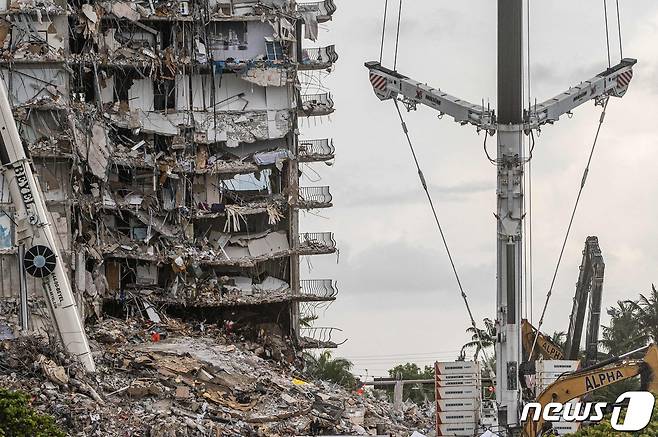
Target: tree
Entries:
(624, 332)
(604, 429)
(647, 313)
(417, 393)
(19, 419)
(486, 336)
(559, 338)
(327, 368)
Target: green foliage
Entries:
(624, 333)
(604, 429)
(647, 313)
(481, 340)
(417, 393)
(327, 368)
(19, 419)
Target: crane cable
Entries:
(621, 48)
(397, 38)
(607, 33)
(585, 174)
(443, 238)
(528, 176)
(573, 214)
(381, 49)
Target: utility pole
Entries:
(509, 214)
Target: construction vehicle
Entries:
(545, 348)
(509, 124)
(582, 382)
(589, 288)
(588, 295)
(34, 231)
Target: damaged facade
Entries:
(165, 137)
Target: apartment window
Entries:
(274, 50)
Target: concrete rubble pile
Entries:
(178, 379)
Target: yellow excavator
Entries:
(545, 348)
(606, 373)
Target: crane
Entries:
(34, 230)
(581, 382)
(510, 122)
(589, 288)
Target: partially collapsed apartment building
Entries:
(165, 135)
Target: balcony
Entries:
(314, 197)
(320, 290)
(323, 10)
(319, 58)
(316, 243)
(315, 105)
(319, 338)
(316, 150)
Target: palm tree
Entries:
(559, 338)
(487, 338)
(327, 368)
(647, 313)
(624, 333)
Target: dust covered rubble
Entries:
(175, 379)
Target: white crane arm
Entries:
(34, 230)
(388, 84)
(612, 82)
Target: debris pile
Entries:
(178, 379)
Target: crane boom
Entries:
(389, 84)
(510, 123)
(34, 230)
(612, 82)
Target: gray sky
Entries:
(398, 301)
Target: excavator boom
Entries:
(588, 380)
(545, 346)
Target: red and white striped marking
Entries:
(624, 79)
(378, 82)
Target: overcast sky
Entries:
(398, 301)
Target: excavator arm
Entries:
(582, 382)
(34, 230)
(588, 289)
(545, 347)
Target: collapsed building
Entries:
(165, 136)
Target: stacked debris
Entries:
(177, 379)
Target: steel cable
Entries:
(381, 49)
(443, 238)
(573, 214)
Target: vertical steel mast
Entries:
(510, 162)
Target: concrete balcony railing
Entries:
(319, 58)
(323, 10)
(313, 105)
(316, 243)
(316, 150)
(320, 337)
(318, 289)
(314, 197)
